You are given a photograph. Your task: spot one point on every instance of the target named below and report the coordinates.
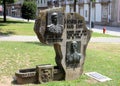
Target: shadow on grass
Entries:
(14, 82)
(7, 33)
(2, 24)
(14, 21)
(11, 21)
(38, 43)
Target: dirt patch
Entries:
(5, 81)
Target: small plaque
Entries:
(98, 76)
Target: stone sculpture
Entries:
(69, 35)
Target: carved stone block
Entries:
(45, 73)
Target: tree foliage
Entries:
(7, 1)
(10, 1)
(28, 10)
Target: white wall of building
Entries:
(77, 8)
(81, 12)
(93, 14)
(119, 11)
(85, 1)
(67, 10)
(41, 3)
(98, 13)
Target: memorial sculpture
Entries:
(69, 36)
(73, 57)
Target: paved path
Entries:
(19, 38)
(105, 39)
(19, 19)
(115, 31)
(109, 30)
(35, 39)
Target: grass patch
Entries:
(13, 27)
(103, 58)
(95, 34)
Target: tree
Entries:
(28, 10)
(4, 4)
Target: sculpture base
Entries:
(25, 76)
(40, 74)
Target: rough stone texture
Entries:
(69, 36)
(42, 21)
(45, 73)
(75, 30)
(25, 76)
(69, 59)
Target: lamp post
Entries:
(4, 13)
(90, 13)
(91, 2)
(74, 5)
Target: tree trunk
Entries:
(28, 20)
(4, 13)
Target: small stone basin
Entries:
(24, 76)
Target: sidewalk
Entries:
(19, 19)
(35, 39)
(115, 31)
(19, 38)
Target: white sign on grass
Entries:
(98, 76)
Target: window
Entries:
(85, 13)
(38, 1)
(70, 9)
(79, 9)
(119, 15)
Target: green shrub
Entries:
(28, 10)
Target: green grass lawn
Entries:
(12, 27)
(102, 58)
(95, 34)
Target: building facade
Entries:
(119, 11)
(45, 4)
(1, 10)
(115, 14)
(41, 5)
(104, 12)
(14, 9)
